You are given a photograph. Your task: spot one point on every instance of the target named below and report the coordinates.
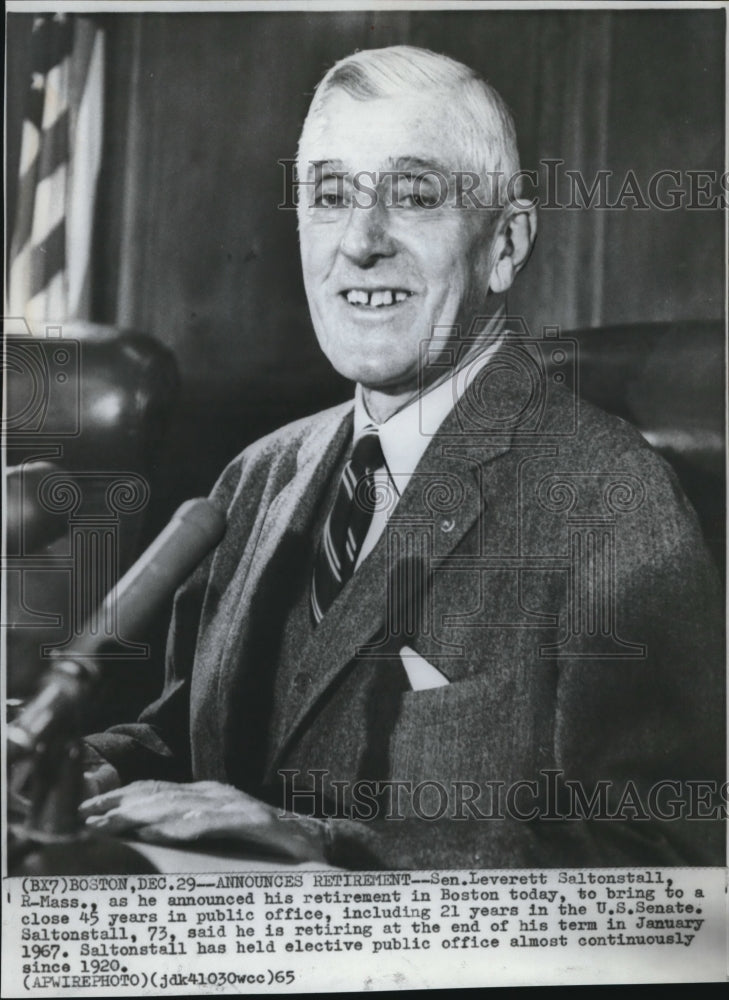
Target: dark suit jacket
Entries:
(562, 587)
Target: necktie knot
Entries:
(367, 453)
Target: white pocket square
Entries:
(421, 674)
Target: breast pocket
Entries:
(462, 732)
(433, 706)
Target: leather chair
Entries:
(667, 379)
(87, 413)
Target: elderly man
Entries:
(466, 620)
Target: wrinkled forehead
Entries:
(379, 133)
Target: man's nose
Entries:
(366, 237)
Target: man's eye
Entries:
(420, 200)
(331, 195)
(418, 194)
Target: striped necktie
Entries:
(347, 524)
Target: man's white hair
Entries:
(482, 124)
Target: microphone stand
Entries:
(53, 840)
(45, 738)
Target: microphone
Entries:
(194, 530)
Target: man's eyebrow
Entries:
(416, 164)
(400, 164)
(327, 166)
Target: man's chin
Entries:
(374, 376)
(372, 364)
(394, 387)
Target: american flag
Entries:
(60, 159)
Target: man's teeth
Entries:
(381, 297)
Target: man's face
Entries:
(381, 274)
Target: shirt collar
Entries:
(406, 434)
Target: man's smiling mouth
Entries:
(375, 298)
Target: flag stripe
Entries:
(24, 216)
(54, 146)
(47, 258)
(50, 302)
(56, 102)
(50, 198)
(29, 147)
(52, 153)
(34, 103)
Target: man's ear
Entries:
(515, 236)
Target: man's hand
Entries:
(99, 775)
(165, 812)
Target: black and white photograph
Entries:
(364, 543)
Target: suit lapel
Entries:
(290, 510)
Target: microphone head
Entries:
(195, 529)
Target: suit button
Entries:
(302, 681)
